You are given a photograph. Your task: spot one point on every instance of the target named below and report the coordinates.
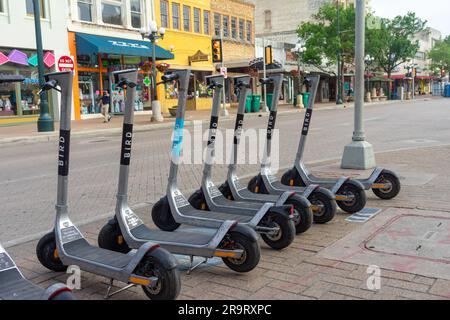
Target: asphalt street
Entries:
(28, 170)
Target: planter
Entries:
(173, 111)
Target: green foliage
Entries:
(440, 54)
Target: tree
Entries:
(440, 55)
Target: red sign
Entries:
(65, 63)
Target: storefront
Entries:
(19, 102)
(96, 58)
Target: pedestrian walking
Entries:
(105, 102)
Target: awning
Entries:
(92, 44)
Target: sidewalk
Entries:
(305, 269)
(94, 127)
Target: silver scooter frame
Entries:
(133, 228)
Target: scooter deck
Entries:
(143, 232)
(190, 211)
(281, 188)
(250, 207)
(247, 195)
(82, 249)
(15, 287)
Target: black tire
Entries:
(359, 201)
(64, 295)
(198, 201)
(111, 238)
(47, 253)
(162, 216)
(291, 178)
(305, 220)
(328, 206)
(286, 234)
(256, 185)
(169, 283)
(251, 256)
(226, 191)
(393, 191)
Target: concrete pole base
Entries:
(156, 112)
(358, 155)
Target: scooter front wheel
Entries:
(162, 216)
(169, 283)
(47, 253)
(111, 238)
(226, 191)
(198, 201)
(256, 185)
(325, 204)
(389, 178)
(357, 196)
(250, 257)
(285, 234)
(63, 296)
(305, 214)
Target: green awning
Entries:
(92, 44)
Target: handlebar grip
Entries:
(265, 80)
(49, 85)
(170, 77)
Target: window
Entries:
(112, 12)
(206, 23)
(85, 10)
(234, 27)
(176, 16)
(186, 18)
(30, 8)
(217, 24)
(197, 20)
(268, 19)
(2, 9)
(226, 26)
(164, 8)
(241, 29)
(136, 13)
(249, 31)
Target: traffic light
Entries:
(269, 55)
(217, 51)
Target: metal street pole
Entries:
(359, 153)
(154, 80)
(224, 111)
(45, 122)
(266, 108)
(339, 76)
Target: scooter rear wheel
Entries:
(393, 190)
(162, 216)
(328, 206)
(251, 256)
(169, 283)
(111, 238)
(47, 253)
(305, 219)
(286, 234)
(357, 203)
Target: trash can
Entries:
(447, 91)
(269, 100)
(248, 104)
(256, 103)
(306, 99)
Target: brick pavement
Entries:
(297, 272)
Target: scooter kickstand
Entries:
(192, 267)
(108, 292)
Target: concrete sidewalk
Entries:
(95, 127)
(304, 271)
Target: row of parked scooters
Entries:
(225, 220)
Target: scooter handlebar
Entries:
(170, 77)
(265, 80)
(49, 85)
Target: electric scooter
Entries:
(385, 184)
(349, 194)
(236, 244)
(217, 201)
(13, 285)
(151, 267)
(323, 203)
(273, 223)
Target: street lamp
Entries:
(154, 35)
(411, 68)
(299, 50)
(368, 60)
(45, 122)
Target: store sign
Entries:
(128, 44)
(198, 57)
(65, 63)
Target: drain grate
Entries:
(364, 215)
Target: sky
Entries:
(436, 12)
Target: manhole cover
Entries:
(414, 236)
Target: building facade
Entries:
(19, 103)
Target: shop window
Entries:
(136, 13)
(176, 16)
(217, 25)
(2, 8)
(234, 27)
(226, 26)
(241, 29)
(112, 12)
(249, 31)
(164, 8)
(197, 20)
(206, 22)
(85, 10)
(30, 8)
(186, 18)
